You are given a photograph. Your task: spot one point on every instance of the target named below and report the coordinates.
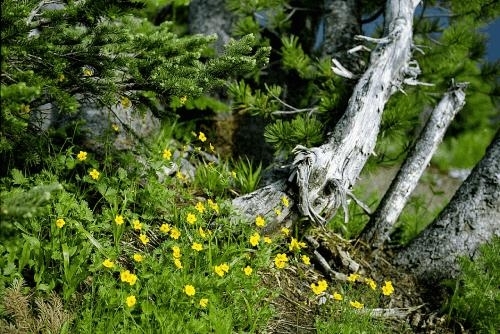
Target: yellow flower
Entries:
(306, 260)
(267, 240)
(87, 71)
(167, 155)
(125, 102)
(387, 289)
(60, 223)
(189, 290)
(285, 231)
(128, 277)
(371, 283)
(183, 99)
(131, 301)
(337, 296)
(175, 233)
(248, 270)
(197, 246)
(82, 156)
(191, 218)
(176, 252)
(233, 174)
(285, 201)
(202, 232)
(138, 257)
(180, 176)
(137, 224)
(164, 228)
(278, 212)
(280, 261)
(225, 267)
(254, 239)
(259, 221)
(214, 206)
(212, 148)
(200, 207)
(115, 127)
(203, 302)
(295, 245)
(320, 287)
(178, 263)
(356, 304)
(221, 269)
(144, 239)
(108, 263)
(202, 137)
(94, 174)
(353, 277)
(119, 219)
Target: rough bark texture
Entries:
(342, 23)
(322, 175)
(211, 17)
(382, 222)
(471, 218)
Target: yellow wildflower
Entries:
(277, 212)
(94, 174)
(108, 263)
(176, 252)
(285, 201)
(87, 71)
(259, 221)
(136, 224)
(320, 287)
(191, 218)
(60, 223)
(233, 174)
(82, 156)
(214, 206)
(387, 289)
(175, 233)
(167, 155)
(353, 277)
(225, 267)
(357, 304)
(128, 277)
(202, 232)
(144, 239)
(337, 296)
(254, 239)
(371, 283)
(200, 207)
(267, 240)
(189, 290)
(180, 176)
(115, 127)
(138, 257)
(197, 246)
(202, 137)
(178, 263)
(183, 99)
(280, 260)
(285, 231)
(125, 102)
(165, 228)
(306, 260)
(119, 219)
(131, 300)
(248, 270)
(203, 302)
(295, 245)
(221, 269)
(212, 148)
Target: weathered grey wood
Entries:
(382, 222)
(470, 219)
(322, 175)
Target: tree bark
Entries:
(470, 219)
(382, 222)
(322, 176)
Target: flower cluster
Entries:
(221, 269)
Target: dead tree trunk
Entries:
(470, 219)
(382, 222)
(322, 176)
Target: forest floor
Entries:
(421, 308)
